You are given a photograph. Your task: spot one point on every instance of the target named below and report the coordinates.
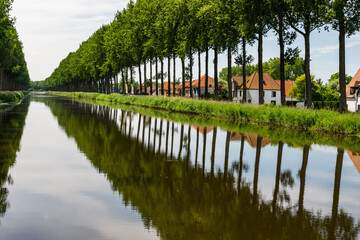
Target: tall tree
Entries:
(344, 17)
(304, 17)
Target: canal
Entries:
(75, 170)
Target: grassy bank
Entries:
(11, 97)
(291, 118)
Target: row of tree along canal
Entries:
(14, 74)
(159, 175)
(153, 31)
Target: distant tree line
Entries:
(157, 32)
(14, 74)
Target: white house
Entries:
(271, 89)
(352, 93)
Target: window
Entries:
(210, 85)
(273, 94)
(273, 102)
(240, 93)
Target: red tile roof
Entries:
(355, 82)
(288, 86)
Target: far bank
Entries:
(291, 118)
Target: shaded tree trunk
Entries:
(156, 77)
(229, 73)
(216, 74)
(244, 70)
(342, 70)
(140, 78)
(174, 73)
(191, 72)
(199, 63)
(207, 73)
(169, 77)
(260, 66)
(183, 77)
(256, 170)
(145, 78)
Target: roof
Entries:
(250, 138)
(238, 81)
(252, 82)
(202, 130)
(211, 82)
(355, 82)
(355, 158)
(288, 86)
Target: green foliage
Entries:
(272, 66)
(301, 119)
(8, 97)
(13, 69)
(320, 92)
(333, 82)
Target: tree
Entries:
(334, 82)
(344, 17)
(319, 91)
(279, 9)
(304, 17)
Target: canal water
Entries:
(75, 170)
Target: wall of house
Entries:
(253, 95)
(352, 104)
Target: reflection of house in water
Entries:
(202, 130)
(250, 138)
(355, 158)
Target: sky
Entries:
(51, 29)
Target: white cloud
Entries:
(51, 29)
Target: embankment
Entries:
(325, 121)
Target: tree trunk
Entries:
(244, 70)
(191, 72)
(123, 81)
(204, 150)
(227, 151)
(199, 85)
(183, 77)
(335, 206)
(207, 73)
(162, 77)
(278, 173)
(174, 73)
(181, 141)
(342, 70)
(151, 84)
(169, 77)
(229, 74)
(213, 152)
(256, 170)
(302, 180)
(260, 65)
(140, 78)
(156, 77)
(145, 79)
(282, 67)
(308, 98)
(131, 80)
(216, 73)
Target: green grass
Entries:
(10, 97)
(291, 118)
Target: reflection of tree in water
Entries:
(11, 129)
(182, 202)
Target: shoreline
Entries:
(324, 121)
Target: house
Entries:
(271, 89)
(195, 87)
(147, 89)
(166, 89)
(288, 86)
(352, 93)
(355, 158)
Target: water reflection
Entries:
(181, 196)
(12, 122)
